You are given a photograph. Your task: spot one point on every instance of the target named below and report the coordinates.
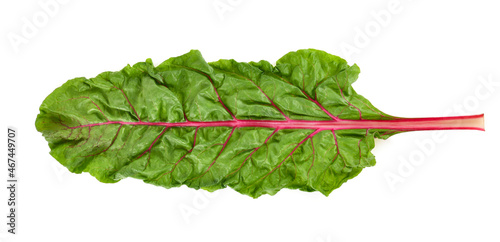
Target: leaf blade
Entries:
(252, 126)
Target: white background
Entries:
(421, 58)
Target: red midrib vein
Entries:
(474, 122)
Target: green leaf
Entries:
(252, 126)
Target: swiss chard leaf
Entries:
(253, 126)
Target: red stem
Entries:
(473, 122)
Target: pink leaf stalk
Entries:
(471, 122)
